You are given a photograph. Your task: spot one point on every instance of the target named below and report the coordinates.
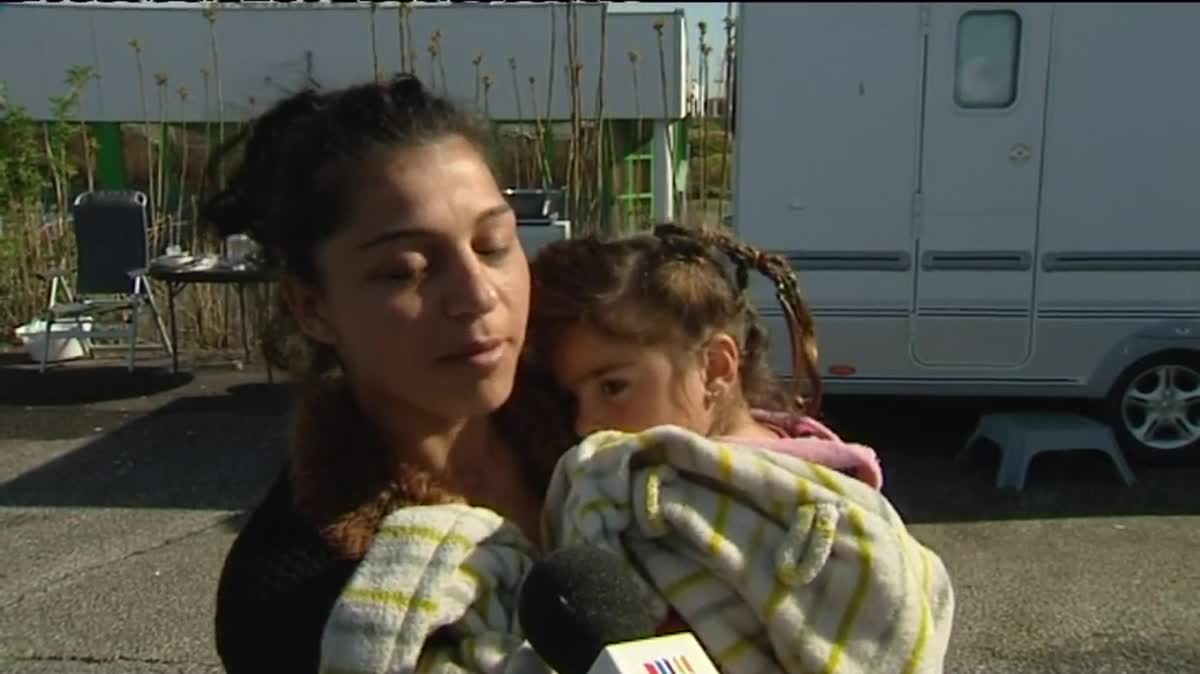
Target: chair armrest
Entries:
(52, 273)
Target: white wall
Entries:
(264, 50)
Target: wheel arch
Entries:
(1144, 343)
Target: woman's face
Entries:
(425, 289)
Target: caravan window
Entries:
(989, 50)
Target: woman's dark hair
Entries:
(301, 159)
(673, 288)
(300, 162)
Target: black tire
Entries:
(1171, 444)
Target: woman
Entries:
(410, 289)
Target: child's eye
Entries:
(613, 387)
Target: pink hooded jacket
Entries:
(809, 439)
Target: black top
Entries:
(277, 589)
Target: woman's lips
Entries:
(484, 353)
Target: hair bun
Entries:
(407, 89)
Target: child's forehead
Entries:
(586, 349)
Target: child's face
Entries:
(624, 386)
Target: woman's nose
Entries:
(472, 291)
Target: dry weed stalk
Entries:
(434, 40)
(210, 13)
(401, 19)
(487, 94)
(601, 135)
(441, 61)
(374, 46)
(659, 25)
(136, 46)
(517, 164)
(183, 158)
(553, 55)
(726, 85)
(477, 62)
(160, 83)
(575, 70)
(78, 78)
(703, 95)
(540, 140)
(409, 43)
(208, 149)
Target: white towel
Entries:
(777, 564)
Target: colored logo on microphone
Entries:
(677, 665)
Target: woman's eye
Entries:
(403, 275)
(496, 250)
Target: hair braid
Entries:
(801, 328)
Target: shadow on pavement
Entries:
(81, 383)
(917, 440)
(214, 449)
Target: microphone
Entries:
(582, 612)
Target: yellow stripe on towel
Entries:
(725, 457)
(425, 533)
(866, 555)
(398, 600)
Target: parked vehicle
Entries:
(985, 200)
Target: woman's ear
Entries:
(308, 309)
(722, 361)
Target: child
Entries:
(652, 329)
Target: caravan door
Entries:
(977, 203)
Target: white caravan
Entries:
(997, 199)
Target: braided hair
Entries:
(674, 287)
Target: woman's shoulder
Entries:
(277, 586)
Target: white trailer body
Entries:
(982, 199)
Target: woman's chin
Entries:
(484, 395)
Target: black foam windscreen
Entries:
(578, 600)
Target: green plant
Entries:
(32, 154)
(20, 208)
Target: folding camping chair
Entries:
(112, 254)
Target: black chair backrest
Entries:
(535, 205)
(112, 239)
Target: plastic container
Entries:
(33, 337)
